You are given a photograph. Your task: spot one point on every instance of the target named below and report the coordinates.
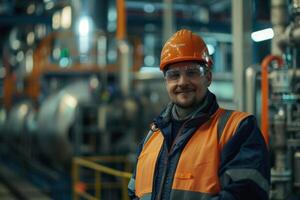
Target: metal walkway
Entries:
(13, 186)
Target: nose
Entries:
(183, 79)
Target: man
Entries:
(196, 150)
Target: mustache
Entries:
(184, 89)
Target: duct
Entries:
(57, 111)
(16, 123)
(55, 118)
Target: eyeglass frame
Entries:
(203, 69)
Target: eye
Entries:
(173, 74)
(193, 72)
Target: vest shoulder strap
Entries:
(222, 122)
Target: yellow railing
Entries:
(93, 163)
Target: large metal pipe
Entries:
(251, 88)
(168, 19)
(124, 61)
(124, 50)
(241, 48)
(281, 174)
(55, 118)
(17, 119)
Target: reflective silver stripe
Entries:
(150, 133)
(131, 184)
(183, 194)
(146, 196)
(243, 174)
(222, 122)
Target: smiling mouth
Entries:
(184, 92)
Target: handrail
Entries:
(79, 188)
(101, 168)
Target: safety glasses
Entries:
(191, 71)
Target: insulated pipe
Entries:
(264, 93)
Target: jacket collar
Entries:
(204, 111)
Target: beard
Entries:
(185, 101)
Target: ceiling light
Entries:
(262, 35)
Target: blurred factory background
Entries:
(80, 83)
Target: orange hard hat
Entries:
(184, 46)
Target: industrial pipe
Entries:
(124, 50)
(279, 20)
(121, 20)
(264, 93)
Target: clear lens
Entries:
(190, 71)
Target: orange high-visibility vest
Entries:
(197, 169)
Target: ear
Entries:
(208, 78)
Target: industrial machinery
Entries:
(69, 92)
(75, 94)
(280, 100)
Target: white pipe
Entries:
(124, 63)
(279, 14)
(168, 19)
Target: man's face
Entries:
(187, 83)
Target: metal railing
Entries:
(93, 163)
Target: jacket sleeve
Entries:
(245, 167)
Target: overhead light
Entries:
(30, 9)
(49, 5)
(146, 69)
(149, 8)
(56, 20)
(262, 35)
(66, 17)
(85, 26)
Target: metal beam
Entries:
(13, 20)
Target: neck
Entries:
(183, 112)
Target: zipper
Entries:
(166, 162)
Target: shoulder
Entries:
(238, 115)
(237, 123)
(233, 119)
(246, 131)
